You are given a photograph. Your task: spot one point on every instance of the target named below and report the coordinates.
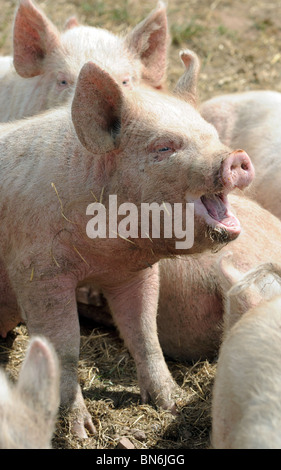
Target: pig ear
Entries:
(187, 84)
(72, 22)
(96, 109)
(35, 36)
(149, 41)
(38, 381)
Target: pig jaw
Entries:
(215, 212)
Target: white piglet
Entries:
(246, 408)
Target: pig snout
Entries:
(237, 170)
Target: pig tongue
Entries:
(217, 207)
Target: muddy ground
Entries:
(239, 46)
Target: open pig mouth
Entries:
(215, 210)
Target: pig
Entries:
(246, 409)
(252, 120)
(29, 408)
(47, 62)
(142, 145)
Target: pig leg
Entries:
(49, 309)
(134, 308)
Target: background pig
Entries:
(246, 411)
(51, 61)
(251, 120)
(91, 156)
(28, 409)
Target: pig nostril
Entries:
(244, 167)
(237, 170)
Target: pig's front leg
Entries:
(134, 308)
(49, 309)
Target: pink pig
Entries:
(160, 149)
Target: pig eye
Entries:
(163, 152)
(127, 82)
(62, 81)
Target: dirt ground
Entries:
(239, 46)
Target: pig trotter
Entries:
(79, 417)
(161, 395)
(80, 421)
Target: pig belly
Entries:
(190, 315)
